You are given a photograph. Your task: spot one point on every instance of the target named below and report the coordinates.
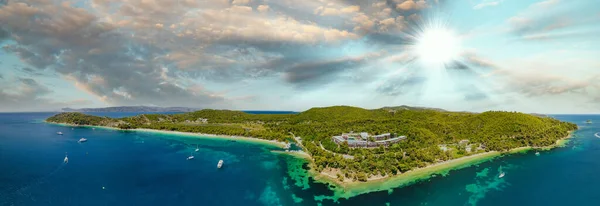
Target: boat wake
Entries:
(17, 191)
(597, 134)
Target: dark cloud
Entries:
(3, 34)
(30, 71)
(96, 56)
(305, 75)
(456, 65)
(402, 85)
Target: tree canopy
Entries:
(426, 129)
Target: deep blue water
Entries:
(137, 168)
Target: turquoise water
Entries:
(137, 168)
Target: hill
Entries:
(432, 135)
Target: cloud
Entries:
(533, 83)
(329, 11)
(400, 85)
(411, 5)
(79, 45)
(486, 4)
(262, 8)
(29, 95)
(3, 34)
(553, 18)
(306, 75)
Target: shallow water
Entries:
(138, 168)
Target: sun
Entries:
(437, 46)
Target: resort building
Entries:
(362, 139)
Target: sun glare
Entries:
(437, 46)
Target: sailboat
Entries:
(190, 157)
(197, 149)
(501, 175)
(82, 140)
(66, 160)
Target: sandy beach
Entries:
(189, 134)
(349, 189)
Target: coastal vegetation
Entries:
(433, 136)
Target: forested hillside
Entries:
(426, 130)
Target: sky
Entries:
(539, 56)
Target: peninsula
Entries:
(361, 150)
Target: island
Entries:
(362, 150)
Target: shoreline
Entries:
(354, 188)
(190, 134)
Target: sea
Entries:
(143, 168)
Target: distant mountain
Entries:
(539, 115)
(404, 107)
(132, 109)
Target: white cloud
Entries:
(486, 4)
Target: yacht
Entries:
(59, 133)
(190, 157)
(220, 164)
(66, 160)
(197, 149)
(537, 153)
(501, 175)
(82, 140)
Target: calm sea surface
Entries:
(139, 168)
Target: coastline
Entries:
(189, 134)
(354, 188)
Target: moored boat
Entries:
(220, 164)
(501, 175)
(59, 133)
(82, 140)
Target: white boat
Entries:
(66, 160)
(501, 175)
(82, 140)
(220, 164)
(190, 157)
(59, 133)
(197, 149)
(537, 153)
(597, 134)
